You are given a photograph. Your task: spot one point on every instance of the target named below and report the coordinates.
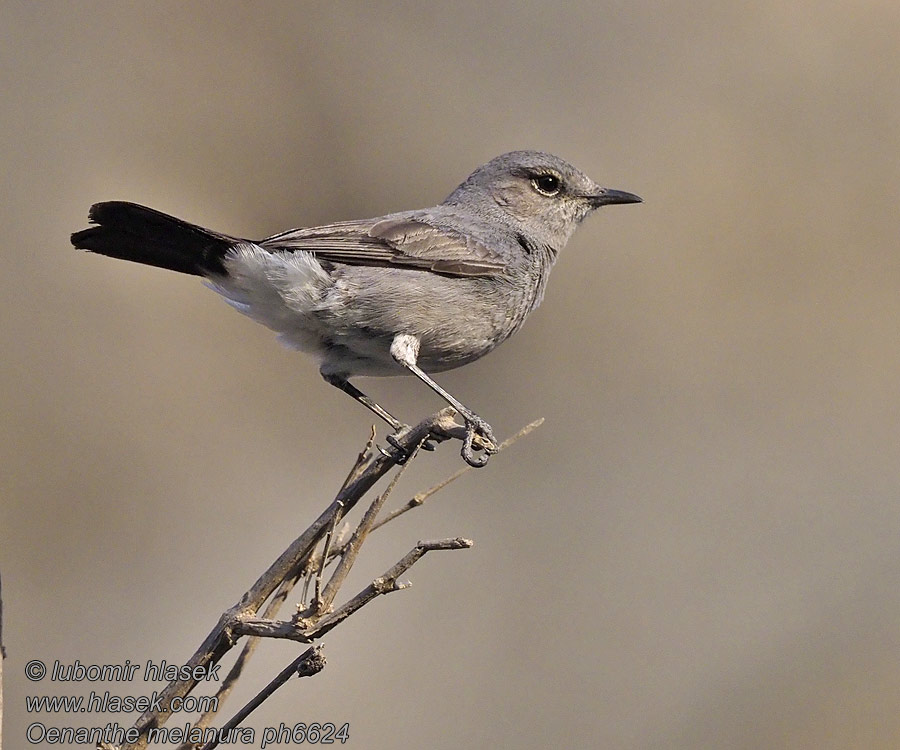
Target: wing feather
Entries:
(400, 242)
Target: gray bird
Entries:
(408, 293)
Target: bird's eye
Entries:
(546, 184)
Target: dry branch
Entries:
(306, 560)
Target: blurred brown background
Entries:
(701, 547)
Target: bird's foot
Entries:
(479, 436)
(396, 450)
(399, 453)
(479, 443)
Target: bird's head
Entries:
(541, 195)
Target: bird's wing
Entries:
(399, 242)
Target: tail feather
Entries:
(143, 235)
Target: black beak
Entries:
(607, 197)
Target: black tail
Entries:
(133, 232)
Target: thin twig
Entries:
(364, 455)
(310, 662)
(354, 544)
(420, 497)
(318, 602)
(385, 583)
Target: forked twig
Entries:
(306, 559)
(386, 582)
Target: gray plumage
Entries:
(408, 293)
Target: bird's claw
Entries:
(487, 444)
(479, 443)
(400, 454)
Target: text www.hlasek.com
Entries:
(106, 703)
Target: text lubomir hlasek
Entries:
(126, 672)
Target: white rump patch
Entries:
(283, 290)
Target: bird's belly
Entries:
(348, 318)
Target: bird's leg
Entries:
(338, 381)
(405, 351)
